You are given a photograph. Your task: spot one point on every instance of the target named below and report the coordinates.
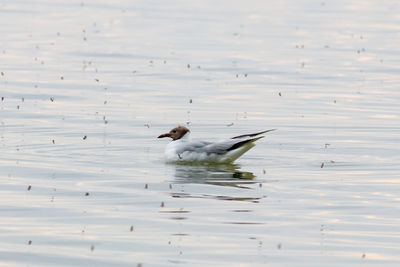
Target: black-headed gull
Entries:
(183, 149)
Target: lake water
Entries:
(87, 86)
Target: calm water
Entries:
(87, 87)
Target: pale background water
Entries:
(322, 190)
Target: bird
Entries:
(182, 149)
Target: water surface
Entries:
(86, 87)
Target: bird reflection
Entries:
(215, 174)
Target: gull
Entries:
(183, 149)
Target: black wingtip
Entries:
(254, 134)
(242, 143)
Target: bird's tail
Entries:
(240, 148)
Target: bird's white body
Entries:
(225, 151)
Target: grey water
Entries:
(87, 86)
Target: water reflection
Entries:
(237, 183)
(215, 174)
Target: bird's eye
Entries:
(174, 131)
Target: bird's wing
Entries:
(252, 135)
(223, 147)
(220, 147)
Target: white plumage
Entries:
(183, 149)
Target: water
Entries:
(88, 86)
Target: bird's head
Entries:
(176, 133)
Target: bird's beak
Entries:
(164, 135)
